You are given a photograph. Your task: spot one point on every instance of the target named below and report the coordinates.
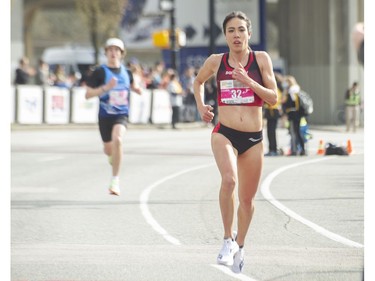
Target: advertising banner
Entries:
(140, 107)
(83, 110)
(12, 104)
(29, 104)
(57, 105)
(161, 112)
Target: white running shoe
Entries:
(114, 188)
(225, 257)
(238, 261)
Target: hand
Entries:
(206, 113)
(111, 84)
(239, 73)
(138, 90)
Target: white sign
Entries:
(161, 107)
(12, 103)
(57, 105)
(30, 104)
(140, 107)
(84, 110)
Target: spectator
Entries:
(137, 72)
(272, 113)
(165, 78)
(175, 91)
(291, 104)
(60, 77)
(24, 72)
(86, 75)
(352, 103)
(187, 82)
(156, 75)
(43, 77)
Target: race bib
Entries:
(117, 98)
(234, 92)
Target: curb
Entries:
(21, 127)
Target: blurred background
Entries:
(320, 42)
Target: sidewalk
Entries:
(333, 128)
(184, 125)
(187, 125)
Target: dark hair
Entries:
(237, 14)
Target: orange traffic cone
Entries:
(321, 150)
(349, 147)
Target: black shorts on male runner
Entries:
(106, 124)
(241, 141)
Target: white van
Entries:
(75, 59)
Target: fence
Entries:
(31, 104)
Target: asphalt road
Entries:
(166, 225)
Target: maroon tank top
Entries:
(232, 92)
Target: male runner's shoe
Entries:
(230, 247)
(114, 188)
(238, 261)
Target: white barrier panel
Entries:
(140, 107)
(161, 107)
(57, 105)
(30, 104)
(84, 110)
(152, 104)
(12, 103)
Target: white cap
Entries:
(115, 42)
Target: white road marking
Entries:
(228, 271)
(265, 189)
(146, 212)
(158, 228)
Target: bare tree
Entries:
(102, 18)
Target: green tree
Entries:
(102, 18)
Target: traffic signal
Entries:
(161, 38)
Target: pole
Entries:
(172, 36)
(211, 9)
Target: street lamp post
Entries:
(211, 8)
(173, 39)
(169, 6)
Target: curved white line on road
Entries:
(158, 228)
(144, 204)
(265, 189)
(228, 271)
